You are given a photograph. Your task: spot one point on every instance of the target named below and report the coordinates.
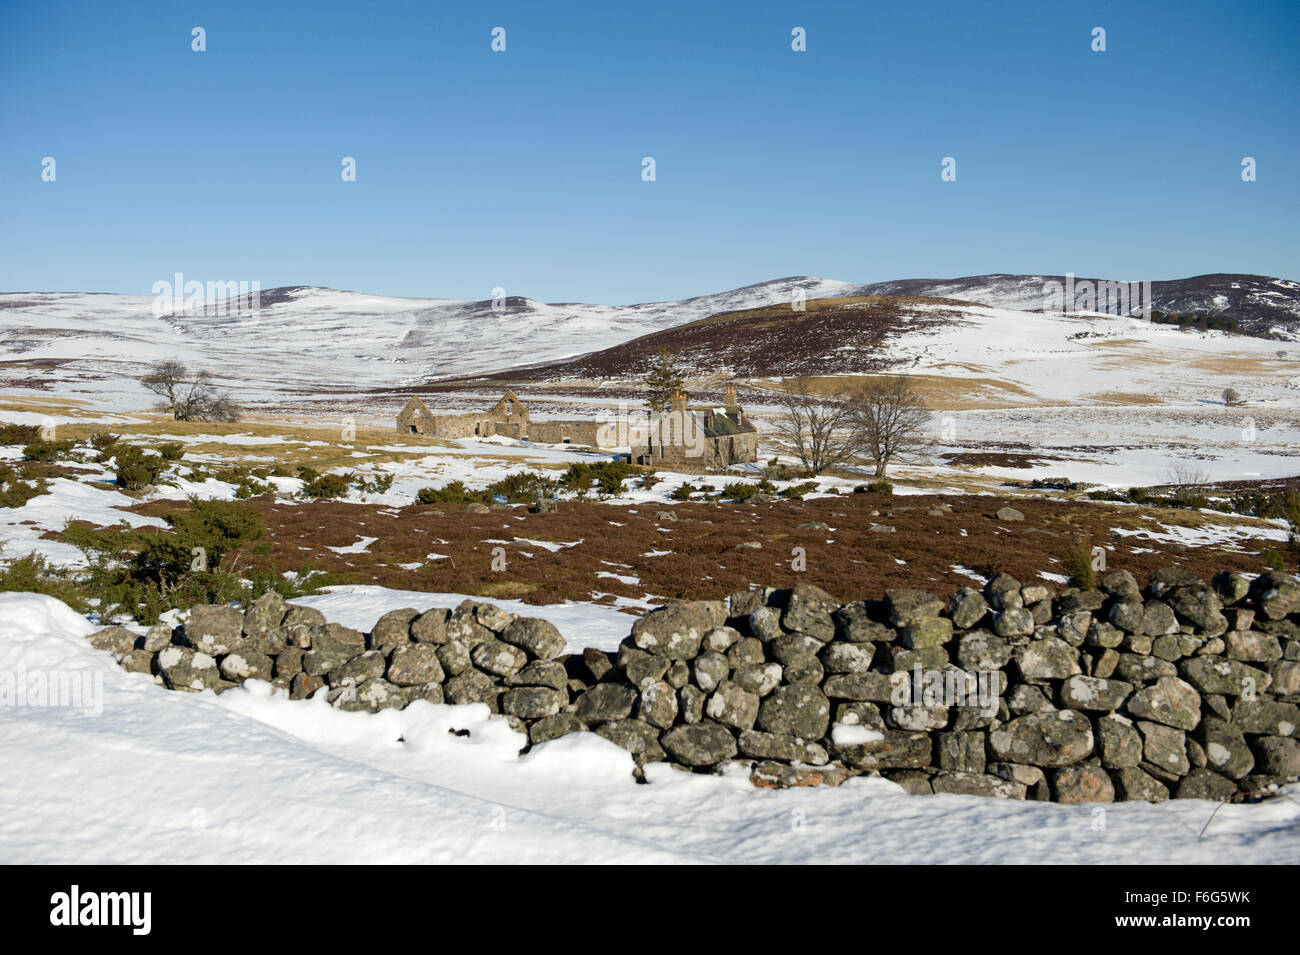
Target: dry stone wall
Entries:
(1180, 688)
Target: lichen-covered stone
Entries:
(1132, 783)
(1048, 659)
(674, 630)
(393, 629)
(498, 657)
(967, 608)
(1164, 747)
(733, 706)
(1094, 694)
(532, 702)
(1213, 674)
(116, 640)
(808, 610)
(540, 638)
(905, 606)
(1205, 784)
(214, 629)
(1170, 701)
(803, 712)
(1083, 783)
(1118, 743)
(709, 669)
(606, 701)
(247, 664)
(895, 749)
(1052, 739)
(843, 657)
(976, 784)
(414, 664)
(700, 744)
(657, 704)
(184, 668)
(1225, 748)
(762, 745)
(430, 626)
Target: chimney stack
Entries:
(730, 403)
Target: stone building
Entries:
(698, 439)
(683, 439)
(507, 417)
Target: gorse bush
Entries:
(453, 492)
(683, 492)
(523, 487)
(317, 485)
(744, 490)
(607, 477)
(327, 485)
(33, 574)
(17, 489)
(145, 572)
(875, 487)
(13, 434)
(1077, 563)
(47, 451)
(796, 492)
(1272, 505)
(374, 485)
(136, 467)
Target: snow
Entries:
(359, 546)
(251, 777)
(21, 527)
(849, 734)
(404, 342)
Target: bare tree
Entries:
(819, 429)
(889, 419)
(1183, 478)
(1232, 397)
(166, 379)
(189, 397)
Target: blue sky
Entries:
(522, 169)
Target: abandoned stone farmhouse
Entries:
(698, 439)
(507, 417)
(684, 439)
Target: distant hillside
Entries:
(313, 340)
(834, 335)
(1262, 306)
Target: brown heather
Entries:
(849, 561)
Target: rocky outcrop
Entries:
(1181, 688)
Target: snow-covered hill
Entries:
(315, 340)
(1260, 304)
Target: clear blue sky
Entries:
(522, 169)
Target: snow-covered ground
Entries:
(360, 340)
(248, 777)
(252, 777)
